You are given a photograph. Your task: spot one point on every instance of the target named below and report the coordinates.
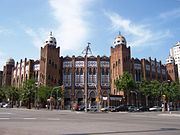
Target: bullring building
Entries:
(53, 70)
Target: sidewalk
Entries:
(171, 114)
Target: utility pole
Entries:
(86, 51)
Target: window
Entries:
(94, 71)
(81, 71)
(55, 66)
(102, 71)
(49, 61)
(77, 71)
(49, 77)
(90, 71)
(51, 41)
(118, 61)
(52, 64)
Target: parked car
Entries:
(133, 108)
(143, 109)
(155, 108)
(92, 109)
(80, 108)
(109, 108)
(6, 105)
(121, 108)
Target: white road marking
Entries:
(53, 119)
(4, 118)
(4, 113)
(29, 118)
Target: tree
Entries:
(145, 88)
(9, 94)
(156, 91)
(28, 92)
(125, 83)
(43, 94)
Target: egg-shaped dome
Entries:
(50, 40)
(178, 43)
(170, 60)
(120, 40)
(10, 61)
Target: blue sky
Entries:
(151, 27)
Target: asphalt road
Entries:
(45, 122)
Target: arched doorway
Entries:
(92, 98)
(79, 97)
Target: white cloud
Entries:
(175, 13)
(38, 36)
(72, 29)
(140, 34)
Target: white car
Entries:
(5, 105)
(155, 108)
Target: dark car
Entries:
(143, 109)
(121, 108)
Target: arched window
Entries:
(90, 71)
(102, 71)
(77, 71)
(94, 71)
(81, 71)
(107, 71)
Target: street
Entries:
(61, 122)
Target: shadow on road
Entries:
(128, 132)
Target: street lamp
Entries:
(86, 51)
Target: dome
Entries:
(50, 40)
(170, 60)
(178, 43)
(10, 61)
(120, 40)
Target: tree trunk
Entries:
(147, 104)
(127, 94)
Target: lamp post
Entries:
(86, 51)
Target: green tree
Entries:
(155, 91)
(43, 94)
(28, 91)
(145, 88)
(125, 83)
(9, 94)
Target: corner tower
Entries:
(120, 60)
(7, 72)
(50, 62)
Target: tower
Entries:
(50, 62)
(174, 53)
(7, 72)
(120, 60)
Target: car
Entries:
(121, 108)
(109, 108)
(133, 108)
(80, 108)
(6, 105)
(92, 109)
(143, 109)
(155, 108)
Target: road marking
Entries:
(29, 118)
(4, 118)
(53, 119)
(5, 113)
(172, 115)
